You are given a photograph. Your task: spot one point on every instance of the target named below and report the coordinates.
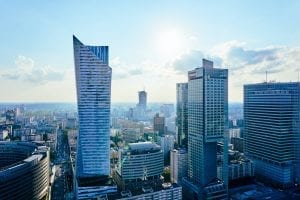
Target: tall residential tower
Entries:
(93, 83)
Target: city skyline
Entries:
(150, 48)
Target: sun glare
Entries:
(169, 42)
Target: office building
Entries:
(207, 125)
(272, 131)
(167, 144)
(178, 165)
(93, 84)
(182, 114)
(142, 100)
(141, 164)
(159, 124)
(165, 191)
(24, 171)
(238, 144)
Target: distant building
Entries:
(178, 165)
(165, 191)
(142, 100)
(71, 123)
(131, 135)
(10, 116)
(240, 169)
(234, 132)
(182, 114)
(3, 135)
(167, 109)
(238, 144)
(272, 131)
(159, 124)
(167, 144)
(140, 165)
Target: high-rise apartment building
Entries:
(93, 84)
(272, 131)
(182, 114)
(207, 125)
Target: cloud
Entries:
(187, 61)
(257, 61)
(122, 70)
(26, 70)
(246, 65)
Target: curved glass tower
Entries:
(93, 83)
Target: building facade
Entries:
(140, 165)
(24, 171)
(93, 84)
(142, 100)
(178, 165)
(159, 124)
(182, 114)
(166, 191)
(272, 131)
(167, 145)
(207, 125)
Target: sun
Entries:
(169, 42)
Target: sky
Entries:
(152, 44)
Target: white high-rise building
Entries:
(167, 144)
(178, 165)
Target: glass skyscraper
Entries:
(93, 83)
(272, 131)
(181, 114)
(142, 100)
(207, 125)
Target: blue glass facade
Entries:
(272, 131)
(93, 83)
(207, 120)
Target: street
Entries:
(63, 174)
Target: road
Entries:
(63, 175)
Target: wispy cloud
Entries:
(123, 70)
(27, 71)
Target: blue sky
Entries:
(152, 44)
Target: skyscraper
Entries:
(142, 99)
(207, 125)
(272, 131)
(93, 83)
(181, 114)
